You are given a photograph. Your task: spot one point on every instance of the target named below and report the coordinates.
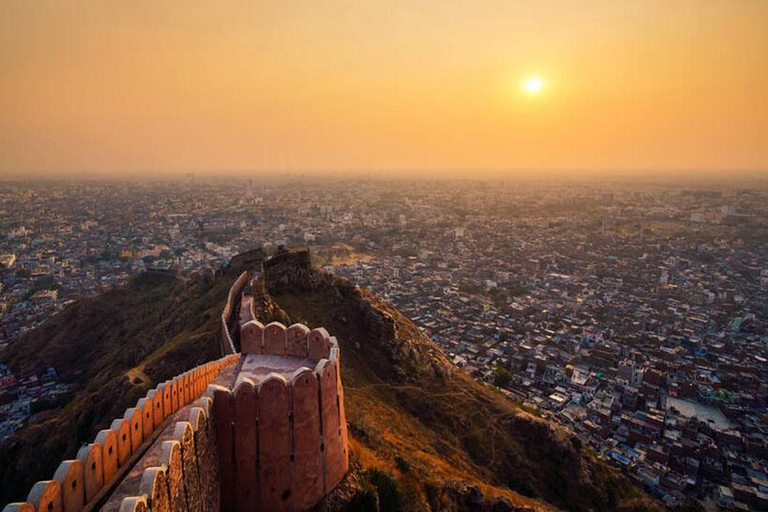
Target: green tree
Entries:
(469, 288)
(501, 377)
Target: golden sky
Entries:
(159, 86)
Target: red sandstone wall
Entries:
(80, 482)
(294, 341)
(282, 444)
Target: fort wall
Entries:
(294, 427)
(227, 342)
(79, 484)
(266, 442)
(271, 435)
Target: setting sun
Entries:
(533, 85)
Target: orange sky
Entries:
(157, 86)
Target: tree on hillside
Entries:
(501, 377)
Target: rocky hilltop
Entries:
(423, 435)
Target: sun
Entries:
(533, 85)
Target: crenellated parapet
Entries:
(273, 437)
(185, 477)
(83, 482)
(285, 411)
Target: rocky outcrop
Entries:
(289, 268)
(409, 352)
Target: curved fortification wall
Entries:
(227, 343)
(269, 434)
(84, 482)
(286, 413)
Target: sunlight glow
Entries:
(533, 85)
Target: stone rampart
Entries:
(267, 441)
(281, 440)
(227, 343)
(81, 483)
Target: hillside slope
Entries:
(111, 349)
(423, 429)
(423, 435)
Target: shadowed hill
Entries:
(111, 348)
(427, 427)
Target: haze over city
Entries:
(458, 88)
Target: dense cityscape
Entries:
(632, 314)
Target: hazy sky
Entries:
(157, 86)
